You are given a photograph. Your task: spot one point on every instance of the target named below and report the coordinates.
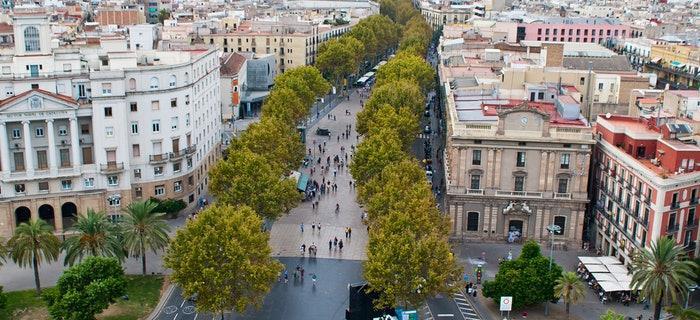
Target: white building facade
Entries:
(96, 130)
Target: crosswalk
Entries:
(465, 307)
(427, 314)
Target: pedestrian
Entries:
(286, 276)
(346, 158)
(335, 173)
(330, 243)
(346, 233)
(301, 226)
(335, 241)
(313, 227)
(338, 138)
(302, 249)
(302, 269)
(340, 245)
(349, 232)
(350, 184)
(313, 206)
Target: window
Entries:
(177, 166)
(160, 190)
(42, 161)
(85, 128)
(66, 184)
(563, 185)
(64, 157)
(520, 159)
(473, 221)
(155, 126)
(476, 158)
(189, 163)
(108, 112)
(31, 39)
(134, 127)
(158, 171)
(109, 132)
(132, 84)
(89, 182)
(173, 123)
(173, 80)
(600, 86)
(113, 201)
(138, 192)
(560, 221)
(173, 103)
(519, 184)
(155, 105)
(581, 81)
(62, 131)
(154, 83)
(112, 180)
(39, 132)
(187, 119)
(177, 186)
(19, 188)
(133, 106)
(16, 134)
(564, 161)
(44, 186)
(87, 155)
(135, 150)
(106, 88)
(190, 180)
(475, 182)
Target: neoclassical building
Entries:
(515, 166)
(95, 128)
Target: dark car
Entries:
(426, 129)
(427, 113)
(323, 132)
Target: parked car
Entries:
(426, 129)
(323, 132)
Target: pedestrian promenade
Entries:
(286, 236)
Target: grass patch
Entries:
(143, 293)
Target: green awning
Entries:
(302, 182)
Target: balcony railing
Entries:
(158, 158)
(690, 246)
(474, 191)
(675, 205)
(562, 195)
(691, 224)
(522, 194)
(112, 166)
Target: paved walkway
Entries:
(286, 236)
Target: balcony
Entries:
(672, 228)
(521, 194)
(562, 195)
(693, 201)
(691, 224)
(158, 158)
(479, 192)
(112, 167)
(690, 246)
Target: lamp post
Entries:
(552, 230)
(691, 289)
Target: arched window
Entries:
(132, 84)
(173, 80)
(31, 39)
(154, 83)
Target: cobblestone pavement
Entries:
(286, 236)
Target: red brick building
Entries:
(646, 183)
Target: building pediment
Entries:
(37, 101)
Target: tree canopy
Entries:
(340, 57)
(283, 103)
(86, 289)
(94, 235)
(32, 244)
(398, 94)
(400, 11)
(374, 153)
(527, 279)
(223, 257)
(305, 81)
(143, 228)
(401, 120)
(409, 67)
(277, 141)
(247, 178)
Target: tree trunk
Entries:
(36, 275)
(568, 304)
(657, 307)
(143, 259)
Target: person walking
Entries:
(301, 226)
(335, 242)
(286, 276)
(346, 233)
(313, 227)
(340, 244)
(330, 244)
(349, 232)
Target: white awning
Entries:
(617, 269)
(589, 260)
(603, 276)
(610, 286)
(622, 277)
(596, 268)
(625, 286)
(608, 260)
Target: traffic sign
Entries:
(506, 303)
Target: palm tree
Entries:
(3, 251)
(95, 236)
(570, 288)
(680, 313)
(143, 229)
(33, 243)
(611, 315)
(662, 272)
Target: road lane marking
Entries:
(445, 315)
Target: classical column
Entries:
(487, 167)
(456, 177)
(74, 143)
(538, 223)
(53, 164)
(4, 150)
(466, 166)
(551, 174)
(543, 171)
(495, 214)
(28, 150)
(497, 169)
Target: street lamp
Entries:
(691, 289)
(553, 229)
